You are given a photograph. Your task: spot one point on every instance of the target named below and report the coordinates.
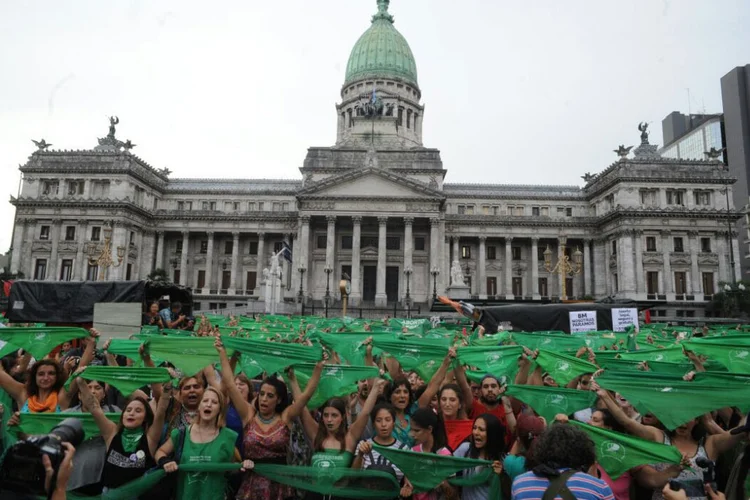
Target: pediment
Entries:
(370, 182)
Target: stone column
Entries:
(235, 261)
(209, 263)
(482, 285)
(356, 292)
(587, 281)
(146, 254)
(159, 250)
(285, 282)
(137, 264)
(444, 263)
(304, 252)
(723, 252)
(508, 268)
(330, 241)
(55, 237)
(184, 258)
(737, 257)
(562, 241)
(435, 261)
(627, 271)
(600, 269)
(695, 278)
(15, 261)
(79, 275)
(381, 299)
(534, 285)
(26, 267)
(259, 264)
(667, 279)
(408, 253)
(456, 249)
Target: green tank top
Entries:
(193, 485)
(332, 459)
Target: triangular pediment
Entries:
(370, 182)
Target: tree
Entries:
(732, 301)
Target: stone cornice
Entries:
(520, 221)
(681, 213)
(106, 204)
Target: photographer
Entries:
(63, 473)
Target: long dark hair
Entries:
(281, 393)
(395, 384)
(459, 394)
(494, 445)
(425, 417)
(32, 389)
(339, 405)
(148, 419)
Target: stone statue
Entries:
(42, 145)
(457, 274)
(127, 145)
(113, 120)
(623, 152)
(713, 154)
(588, 177)
(643, 127)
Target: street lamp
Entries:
(301, 293)
(564, 266)
(407, 273)
(327, 298)
(714, 155)
(434, 272)
(104, 260)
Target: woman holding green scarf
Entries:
(131, 443)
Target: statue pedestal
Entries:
(458, 292)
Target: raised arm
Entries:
(154, 432)
(463, 383)
(244, 409)
(630, 425)
(434, 385)
(524, 365)
(719, 443)
(88, 353)
(295, 409)
(308, 422)
(359, 425)
(107, 428)
(14, 388)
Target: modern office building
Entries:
(688, 137)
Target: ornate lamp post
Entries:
(564, 267)
(104, 258)
(407, 273)
(301, 293)
(434, 272)
(327, 298)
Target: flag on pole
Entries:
(286, 252)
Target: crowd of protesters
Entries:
(220, 415)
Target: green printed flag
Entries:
(42, 423)
(189, 354)
(735, 356)
(426, 471)
(412, 325)
(549, 401)
(672, 354)
(557, 342)
(672, 400)
(499, 361)
(260, 356)
(129, 349)
(563, 368)
(126, 379)
(349, 346)
(8, 439)
(40, 341)
(423, 357)
(617, 453)
(335, 382)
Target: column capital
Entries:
(160, 233)
(261, 235)
(210, 234)
(236, 235)
(331, 219)
(83, 222)
(382, 221)
(693, 233)
(185, 234)
(455, 239)
(434, 221)
(304, 219)
(483, 239)
(408, 221)
(56, 222)
(357, 219)
(636, 232)
(508, 240)
(535, 239)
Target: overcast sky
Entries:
(530, 92)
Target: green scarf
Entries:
(129, 349)
(501, 361)
(422, 357)
(349, 346)
(260, 356)
(39, 341)
(672, 400)
(549, 401)
(335, 382)
(126, 379)
(735, 356)
(426, 471)
(42, 423)
(6, 434)
(563, 368)
(617, 453)
(189, 354)
(412, 325)
(131, 438)
(672, 354)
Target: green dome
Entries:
(381, 51)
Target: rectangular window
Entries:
(535, 211)
(518, 211)
(465, 252)
(178, 246)
(226, 279)
(516, 252)
(649, 197)
(285, 207)
(176, 278)
(180, 205)
(228, 247)
(544, 212)
(702, 198)
(543, 287)
(491, 286)
(188, 205)
(250, 280)
(201, 279)
(708, 283)
(66, 270)
(651, 243)
(419, 244)
(675, 197)
(706, 245)
(461, 209)
(50, 188)
(569, 212)
(251, 207)
(469, 209)
(260, 206)
(614, 247)
(485, 210)
(321, 241)
(368, 241)
(277, 246)
(96, 233)
(75, 188)
(275, 206)
(70, 233)
(44, 233)
(680, 283)
(678, 246)
(253, 248)
(92, 272)
(652, 282)
(204, 248)
(495, 210)
(236, 206)
(205, 205)
(131, 238)
(491, 253)
(518, 287)
(560, 211)
(392, 243)
(616, 282)
(129, 272)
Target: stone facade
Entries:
(375, 206)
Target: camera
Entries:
(709, 473)
(22, 471)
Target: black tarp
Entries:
(541, 317)
(71, 302)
